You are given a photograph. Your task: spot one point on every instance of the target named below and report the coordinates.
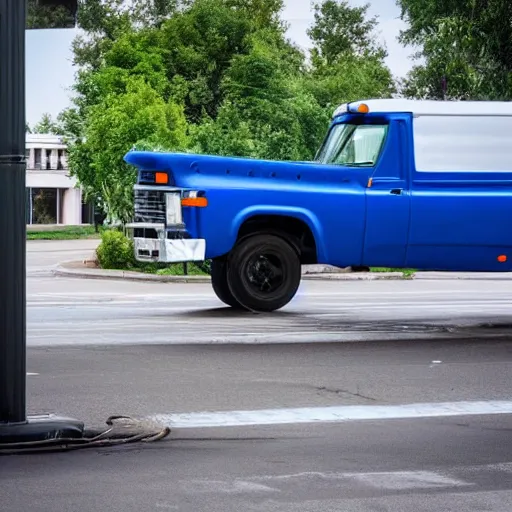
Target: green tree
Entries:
(466, 46)
(47, 125)
(340, 30)
(351, 79)
(348, 63)
(192, 46)
(102, 22)
(47, 16)
(263, 13)
(267, 113)
(113, 127)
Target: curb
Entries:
(126, 275)
(94, 273)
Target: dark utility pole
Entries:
(15, 426)
(12, 211)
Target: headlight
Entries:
(173, 214)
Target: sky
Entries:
(50, 74)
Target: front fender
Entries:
(306, 216)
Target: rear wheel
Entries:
(220, 286)
(264, 272)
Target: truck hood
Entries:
(191, 170)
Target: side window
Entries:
(353, 145)
(462, 143)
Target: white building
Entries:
(52, 194)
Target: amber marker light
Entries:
(161, 178)
(198, 202)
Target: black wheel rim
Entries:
(265, 273)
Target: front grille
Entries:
(149, 206)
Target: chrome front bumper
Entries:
(164, 245)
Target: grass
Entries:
(175, 269)
(407, 273)
(64, 233)
(178, 269)
(193, 269)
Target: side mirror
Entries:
(47, 14)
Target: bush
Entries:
(205, 266)
(115, 251)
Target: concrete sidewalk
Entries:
(79, 269)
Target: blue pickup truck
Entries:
(396, 183)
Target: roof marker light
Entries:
(362, 108)
(351, 108)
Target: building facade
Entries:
(52, 194)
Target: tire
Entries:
(220, 286)
(264, 273)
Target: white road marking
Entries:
(29, 374)
(331, 414)
(448, 478)
(407, 480)
(390, 480)
(225, 487)
(505, 467)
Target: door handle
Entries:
(397, 191)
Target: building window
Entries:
(43, 205)
(48, 159)
(60, 161)
(37, 158)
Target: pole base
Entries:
(44, 427)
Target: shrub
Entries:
(115, 251)
(205, 266)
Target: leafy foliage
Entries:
(48, 16)
(214, 76)
(466, 46)
(114, 126)
(115, 251)
(46, 125)
(340, 30)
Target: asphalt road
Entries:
(428, 466)
(359, 396)
(79, 312)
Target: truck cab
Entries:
(396, 183)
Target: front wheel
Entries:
(219, 275)
(264, 273)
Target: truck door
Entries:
(388, 200)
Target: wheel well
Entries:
(295, 231)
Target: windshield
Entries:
(353, 145)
